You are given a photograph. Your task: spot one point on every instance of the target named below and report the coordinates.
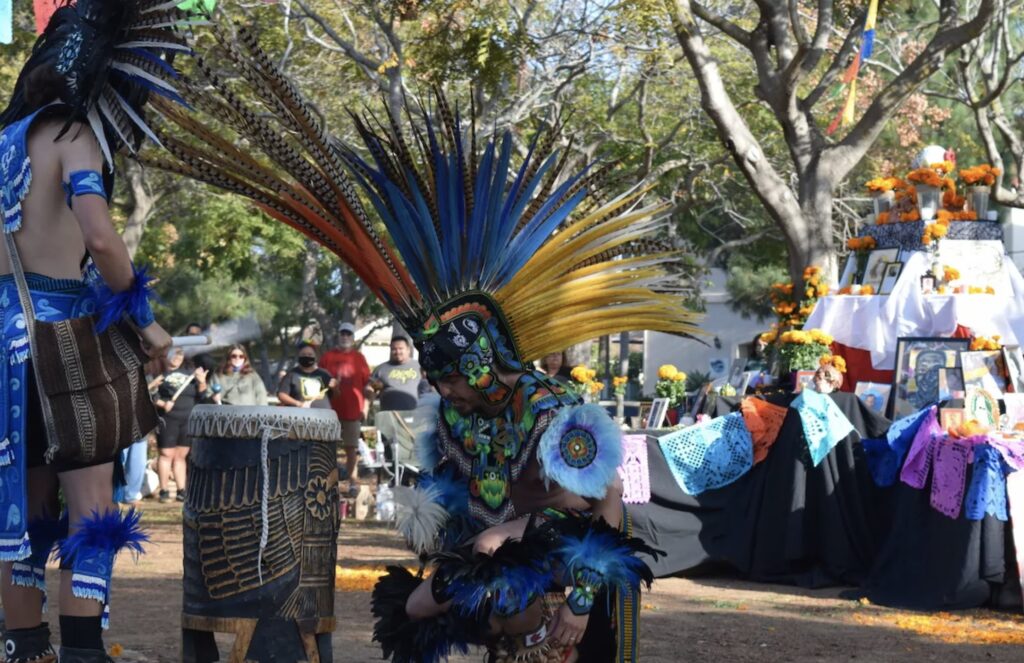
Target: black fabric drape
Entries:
(787, 521)
(929, 561)
(784, 521)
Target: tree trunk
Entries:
(142, 206)
(310, 301)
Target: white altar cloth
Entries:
(875, 322)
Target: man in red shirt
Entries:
(348, 366)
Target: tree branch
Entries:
(950, 35)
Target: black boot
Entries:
(29, 645)
(73, 655)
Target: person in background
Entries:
(306, 385)
(205, 361)
(397, 381)
(555, 365)
(133, 459)
(193, 329)
(239, 383)
(181, 389)
(348, 366)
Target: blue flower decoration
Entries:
(581, 450)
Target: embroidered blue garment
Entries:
(987, 492)
(823, 422)
(53, 299)
(709, 455)
(15, 170)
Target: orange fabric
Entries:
(764, 421)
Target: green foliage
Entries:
(748, 284)
(673, 390)
(802, 356)
(697, 380)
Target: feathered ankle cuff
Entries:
(91, 550)
(403, 640)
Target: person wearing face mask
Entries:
(348, 366)
(182, 388)
(240, 384)
(306, 385)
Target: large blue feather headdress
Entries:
(511, 261)
(488, 257)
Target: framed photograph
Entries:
(916, 378)
(982, 259)
(984, 369)
(1014, 411)
(982, 406)
(874, 270)
(849, 271)
(645, 415)
(804, 379)
(874, 395)
(1014, 361)
(890, 276)
(951, 418)
(951, 384)
(656, 419)
(736, 374)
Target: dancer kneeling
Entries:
(520, 514)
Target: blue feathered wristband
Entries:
(597, 556)
(133, 302)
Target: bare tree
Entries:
(787, 45)
(988, 68)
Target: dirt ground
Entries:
(706, 619)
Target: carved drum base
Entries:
(257, 640)
(260, 531)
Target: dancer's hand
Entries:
(567, 628)
(155, 341)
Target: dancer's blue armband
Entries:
(84, 183)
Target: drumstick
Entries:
(182, 387)
(185, 341)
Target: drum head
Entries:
(253, 421)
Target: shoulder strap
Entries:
(30, 327)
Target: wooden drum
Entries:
(261, 528)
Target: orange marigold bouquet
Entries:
(986, 343)
(861, 243)
(983, 175)
(802, 349)
(833, 360)
(934, 231)
(926, 177)
(883, 184)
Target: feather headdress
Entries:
(482, 259)
(111, 55)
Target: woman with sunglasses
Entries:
(240, 384)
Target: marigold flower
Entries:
(580, 374)
(925, 177)
(667, 372)
(818, 336)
